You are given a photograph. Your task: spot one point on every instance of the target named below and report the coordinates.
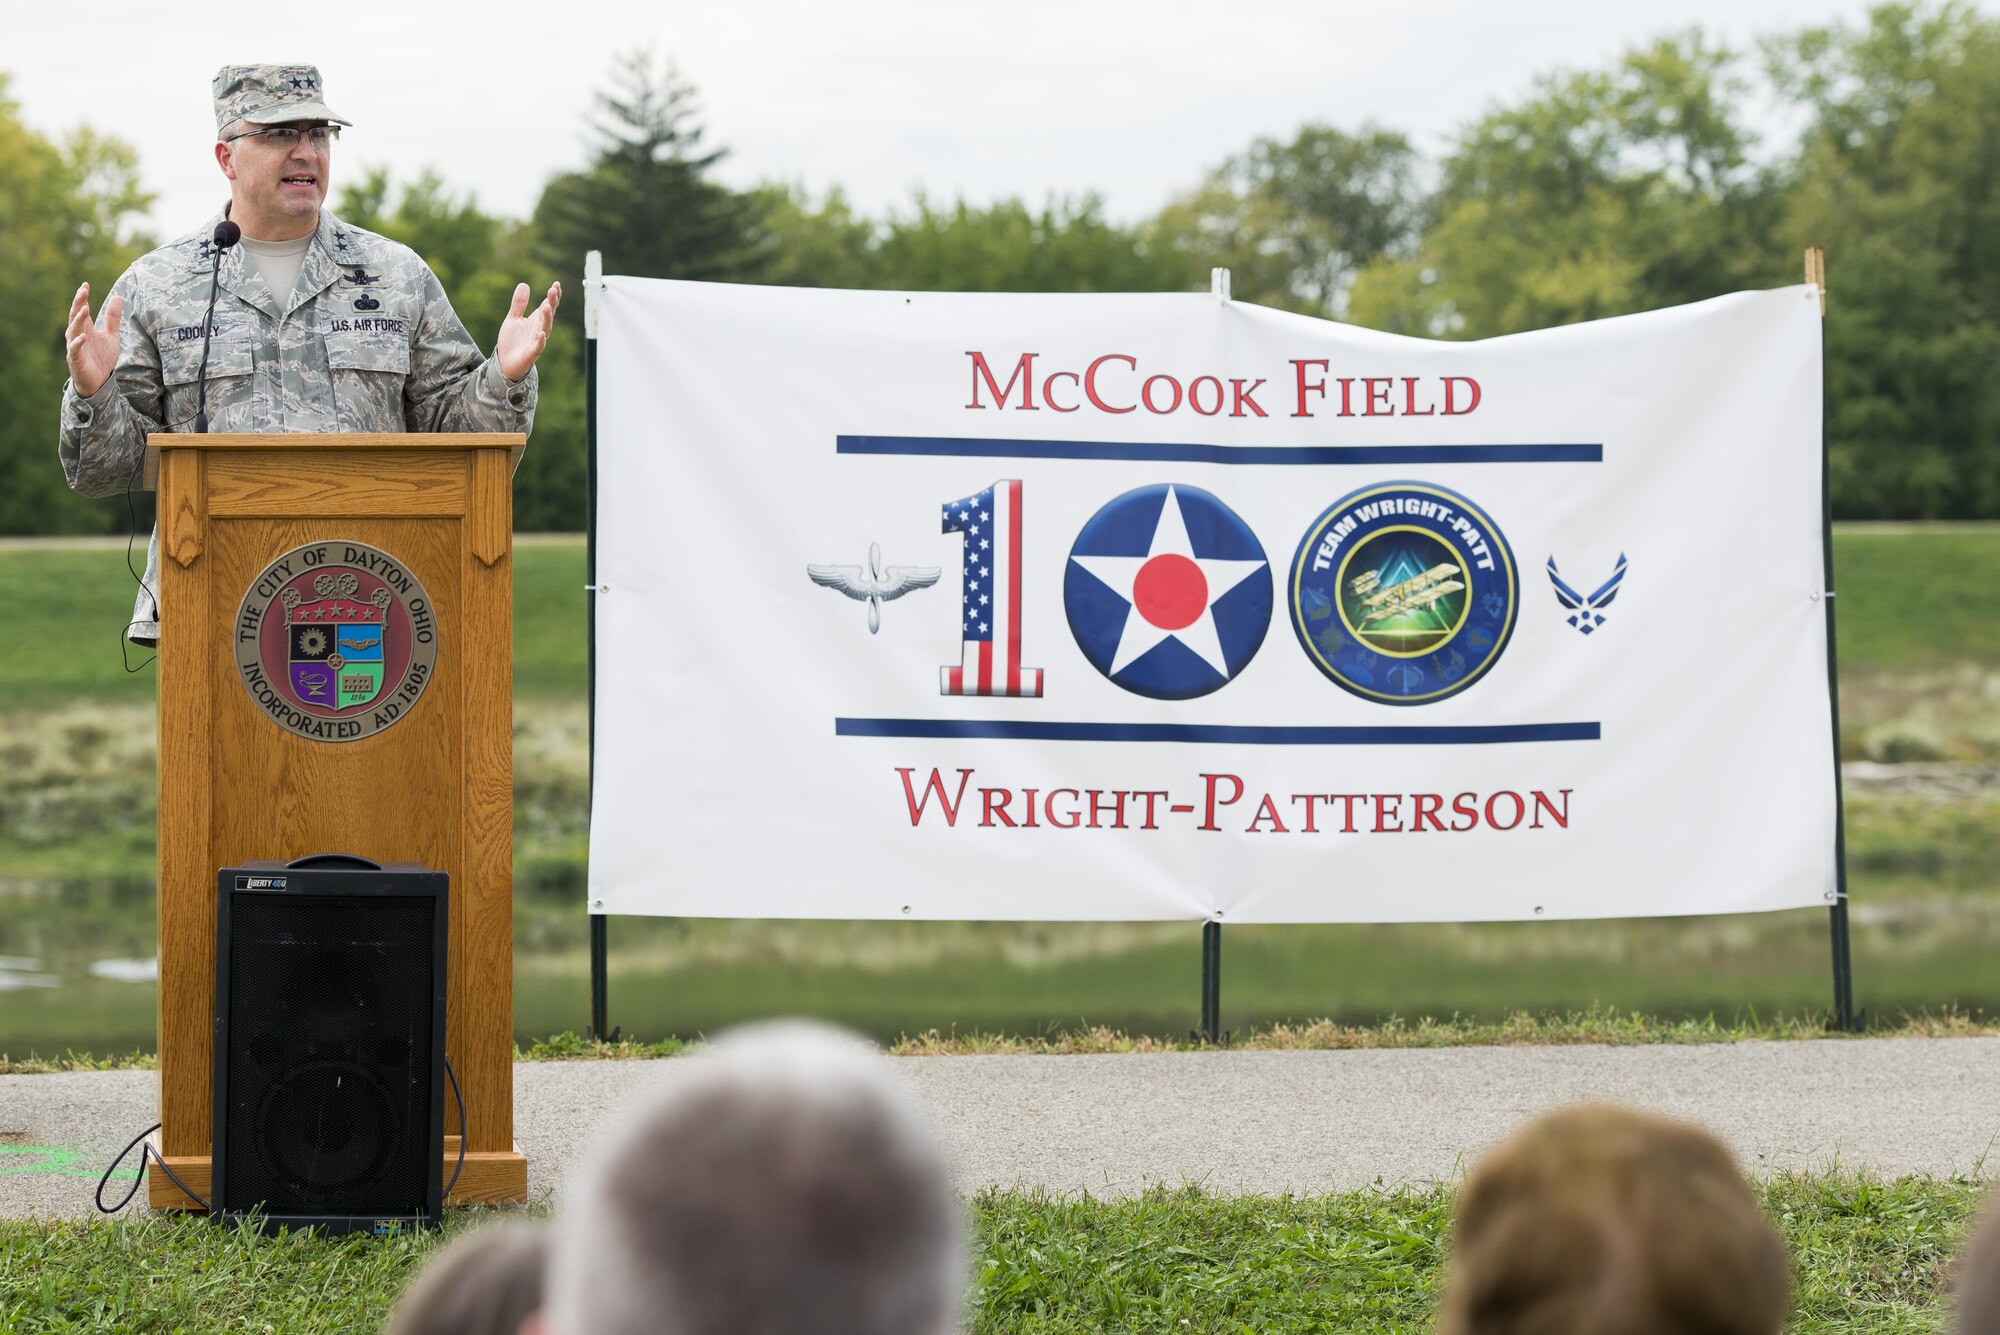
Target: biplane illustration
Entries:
(1410, 595)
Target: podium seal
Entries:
(335, 641)
(1403, 593)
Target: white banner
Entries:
(922, 605)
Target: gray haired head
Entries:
(782, 1183)
(487, 1282)
(1977, 1276)
(270, 95)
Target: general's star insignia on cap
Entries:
(269, 95)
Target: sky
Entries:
(980, 99)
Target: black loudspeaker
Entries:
(329, 1044)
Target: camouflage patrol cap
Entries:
(270, 95)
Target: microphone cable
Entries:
(226, 234)
(139, 1178)
(132, 536)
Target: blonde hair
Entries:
(1605, 1221)
(487, 1282)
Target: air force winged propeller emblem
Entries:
(876, 585)
(1588, 610)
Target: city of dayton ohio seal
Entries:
(336, 641)
(1403, 593)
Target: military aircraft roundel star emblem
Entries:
(1168, 592)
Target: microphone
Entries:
(227, 234)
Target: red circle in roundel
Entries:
(1170, 592)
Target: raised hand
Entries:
(523, 335)
(91, 348)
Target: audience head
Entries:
(782, 1183)
(487, 1282)
(1605, 1221)
(1978, 1277)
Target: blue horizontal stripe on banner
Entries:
(976, 447)
(991, 730)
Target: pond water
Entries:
(19, 971)
(1913, 953)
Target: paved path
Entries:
(1232, 1121)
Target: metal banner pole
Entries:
(1211, 981)
(1844, 1019)
(600, 937)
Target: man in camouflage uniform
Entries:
(364, 338)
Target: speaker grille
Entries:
(328, 1107)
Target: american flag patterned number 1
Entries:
(991, 525)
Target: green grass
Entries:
(551, 624)
(1600, 1027)
(1911, 599)
(1917, 597)
(65, 608)
(1869, 1255)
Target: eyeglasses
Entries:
(287, 137)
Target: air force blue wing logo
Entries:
(876, 585)
(1168, 592)
(1587, 612)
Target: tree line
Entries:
(1598, 192)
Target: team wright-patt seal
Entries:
(1404, 593)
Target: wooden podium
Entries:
(431, 784)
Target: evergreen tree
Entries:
(646, 200)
